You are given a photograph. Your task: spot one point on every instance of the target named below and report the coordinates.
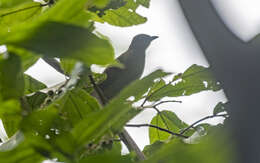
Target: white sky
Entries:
(174, 51)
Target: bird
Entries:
(118, 78)
(133, 60)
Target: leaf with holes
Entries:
(167, 120)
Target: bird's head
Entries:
(142, 41)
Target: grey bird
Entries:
(133, 60)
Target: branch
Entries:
(205, 118)
(157, 127)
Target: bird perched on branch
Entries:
(133, 60)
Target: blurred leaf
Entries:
(213, 149)
(219, 108)
(10, 114)
(108, 157)
(145, 3)
(14, 141)
(36, 100)
(27, 57)
(18, 14)
(21, 154)
(12, 3)
(54, 39)
(194, 80)
(32, 85)
(149, 150)
(167, 120)
(11, 76)
(67, 65)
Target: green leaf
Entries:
(149, 150)
(69, 12)
(219, 108)
(36, 100)
(194, 80)
(32, 85)
(76, 105)
(167, 120)
(11, 76)
(145, 3)
(10, 114)
(12, 3)
(97, 124)
(22, 154)
(208, 150)
(18, 14)
(123, 17)
(67, 65)
(54, 39)
(108, 157)
(27, 57)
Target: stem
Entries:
(157, 127)
(205, 118)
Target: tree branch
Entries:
(205, 118)
(157, 127)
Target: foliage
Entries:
(67, 123)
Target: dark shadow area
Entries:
(236, 64)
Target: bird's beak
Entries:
(154, 37)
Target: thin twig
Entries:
(205, 118)
(157, 127)
(168, 101)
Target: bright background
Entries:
(174, 51)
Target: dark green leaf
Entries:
(194, 80)
(36, 100)
(21, 154)
(149, 150)
(54, 39)
(76, 105)
(67, 65)
(219, 108)
(10, 114)
(167, 120)
(11, 76)
(208, 150)
(27, 58)
(145, 3)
